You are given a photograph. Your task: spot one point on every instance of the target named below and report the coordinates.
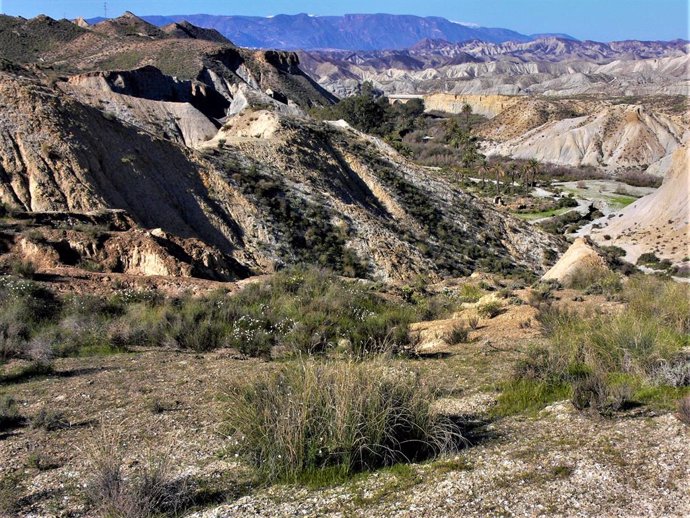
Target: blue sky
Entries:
(602, 20)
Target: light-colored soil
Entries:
(558, 463)
(561, 463)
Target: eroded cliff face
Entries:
(108, 241)
(612, 137)
(57, 154)
(487, 105)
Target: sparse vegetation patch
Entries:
(606, 361)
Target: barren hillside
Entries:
(548, 66)
(659, 223)
(228, 158)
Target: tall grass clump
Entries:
(612, 359)
(24, 308)
(344, 417)
(684, 410)
(595, 280)
(9, 413)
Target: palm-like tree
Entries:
(467, 112)
(499, 173)
(512, 173)
(533, 167)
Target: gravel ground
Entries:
(561, 463)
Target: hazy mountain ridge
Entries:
(350, 31)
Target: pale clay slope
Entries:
(181, 121)
(572, 132)
(659, 222)
(666, 75)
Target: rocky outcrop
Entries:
(184, 29)
(179, 122)
(580, 256)
(150, 83)
(61, 242)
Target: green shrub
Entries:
(49, 420)
(526, 395)
(344, 416)
(11, 487)
(9, 413)
(540, 294)
(41, 461)
(601, 394)
(490, 309)
(24, 308)
(459, 334)
(25, 269)
(473, 322)
(648, 259)
(302, 311)
(665, 300)
(595, 280)
(470, 293)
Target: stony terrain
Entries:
(159, 185)
(557, 462)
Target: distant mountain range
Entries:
(348, 32)
(552, 66)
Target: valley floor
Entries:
(557, 462)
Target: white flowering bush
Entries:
(305, 311)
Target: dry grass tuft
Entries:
(145, 491)
(684, 410)
(346, 417)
